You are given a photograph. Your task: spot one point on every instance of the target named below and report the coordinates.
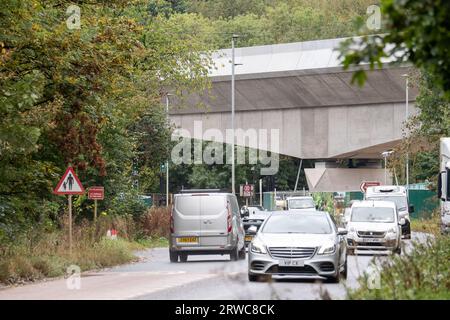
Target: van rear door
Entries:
(214, 212)
(187, 215)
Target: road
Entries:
(201, 277)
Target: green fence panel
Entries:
(268, 201)
(424, 202)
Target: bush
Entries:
(422, 274)
(156, 222)
(430, 225)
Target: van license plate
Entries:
(187, 240)
(373, 240)
(291, 263)
(248, 238)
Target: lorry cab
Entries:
(206, 222)
(398, 195)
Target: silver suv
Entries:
(206, 222)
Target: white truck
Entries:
(444, 184)
(398, 195)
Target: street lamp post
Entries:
(167, 161)
(233, 65)
(406, 120)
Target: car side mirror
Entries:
(411, 209)
(342, 231)
(252, 230)
(402, 221)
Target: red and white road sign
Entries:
(365, 184)
(96, 193)
(248, 190)
(69, 184)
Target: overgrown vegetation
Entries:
(38, 253)
(421, 274)
(429, 225)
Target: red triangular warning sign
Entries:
(69, 184)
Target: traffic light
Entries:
(275, 181)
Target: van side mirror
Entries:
(342, 231)
(252, 230)
(411, 209)
(402, 221)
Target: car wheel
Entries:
(335, 279)
(183, 257)
(234, 254)
(344, 273)
(242, 253)
(173, 256)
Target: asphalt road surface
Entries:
(201, 277)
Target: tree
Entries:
(70, 95)
(418, 32)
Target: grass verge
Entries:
(427, 225)
(38, 253)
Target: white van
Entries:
(398, 195)
(206, 222)
(374, 226)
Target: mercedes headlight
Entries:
(327, 249)
(257, 246)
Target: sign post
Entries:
(69, 185)
(70, 223)
(96, 193)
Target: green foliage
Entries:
(260, 22)
(418, 32)
(425, 130)
(90, 97)
(420, 274)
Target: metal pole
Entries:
(167, 161)
(385, 170)
(95, 211)
(70, 223)
(232, 114)
(407, 154)
(298, 174)
(260, 193)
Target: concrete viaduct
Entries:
(301, 90)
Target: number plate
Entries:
(248, 238)
(373, 240)
(187, 240)
(291, 263)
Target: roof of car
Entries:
(374, 203)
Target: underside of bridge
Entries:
(301, 92)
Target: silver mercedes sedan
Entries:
(298, 245)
